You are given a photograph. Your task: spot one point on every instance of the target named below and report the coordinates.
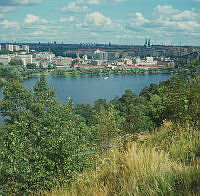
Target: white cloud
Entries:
(128, 36)
(37, 33)
(96, 19)
(174, 19)
(136, 22)
(30, 18)
(138, 19)
(165, 10)
(89, 2)
(73, 7)
(185, 15)
(95, 34)
(98, 2)
(69, 19)
(7, 24)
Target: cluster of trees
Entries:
(13, 72)
(16, 62)
(4, 52)
(194, 63)
(45, 143)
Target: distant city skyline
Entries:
(130, 22)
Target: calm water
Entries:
(88, 88)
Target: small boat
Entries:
(106, 78)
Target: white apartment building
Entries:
(9, 47)
(5, 59)
(25, 48)
(100, 55)
(64, 61)
(25, 58)
(146, 61)
(45, 55)
(16, 47)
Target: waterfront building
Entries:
(63, 61)
(45, 56)
(25, 58)
(5, 59)
(147, 61)
(100, 55)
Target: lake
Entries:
(88, 88)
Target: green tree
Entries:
(108, 125)
(99, 103)
(147, 92)
(31, 66)
(16, 62)
(87, 112)
(43, 143)
(137, 121)
(180, 98)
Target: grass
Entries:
(181, 142)
(163, 163)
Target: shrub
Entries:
(138, 171)
(43, 144)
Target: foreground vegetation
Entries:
(134, 145)
(142, 170)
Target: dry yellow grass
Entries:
(153, 164)
(138, 171)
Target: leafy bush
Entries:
(43, 144)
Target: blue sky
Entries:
(101, 21)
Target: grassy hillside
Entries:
(162, 163)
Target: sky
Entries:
(129, 22)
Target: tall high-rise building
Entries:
(16, 48)
(26, 48)
(9, 47)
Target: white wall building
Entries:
(9, 47)
(16, 47)
(5, 59)
(100, 55)
(146, 61)
(64, 61)
(25, 48)
(26, 59)
(45, 55)
(0, 46)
